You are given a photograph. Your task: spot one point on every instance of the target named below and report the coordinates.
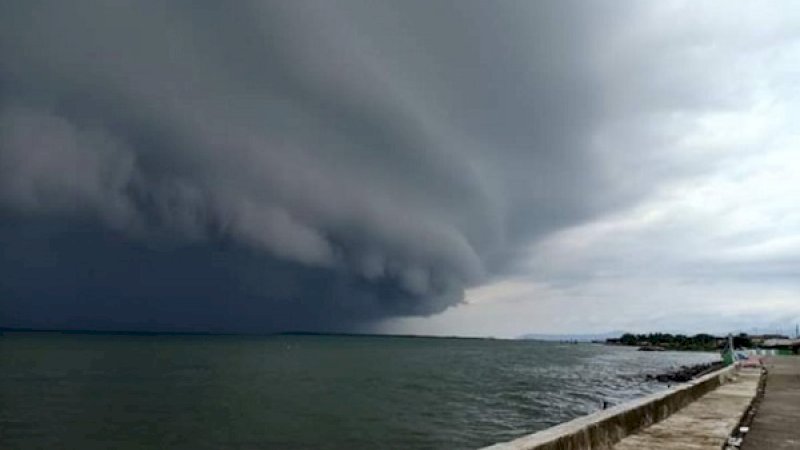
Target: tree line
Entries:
(700, 341)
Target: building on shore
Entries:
(783, 345)
(759, 339)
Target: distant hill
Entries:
(572, 337)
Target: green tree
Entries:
(742, 340)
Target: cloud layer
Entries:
(270, 165)
(711, 244)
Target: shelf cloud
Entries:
(264, 166)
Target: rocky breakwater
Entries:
(685, 373)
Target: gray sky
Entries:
(465, 167)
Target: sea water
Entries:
(300, 392)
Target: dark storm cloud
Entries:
(272, 165)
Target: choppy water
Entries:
(287, 392)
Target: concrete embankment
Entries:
(607, 429)
(704, 424)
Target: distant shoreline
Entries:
(213, 333)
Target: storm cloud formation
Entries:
(262, 166)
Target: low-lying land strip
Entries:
(776, 343)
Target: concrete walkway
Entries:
(776, 425)
(704, 424)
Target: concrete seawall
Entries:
(603, 429)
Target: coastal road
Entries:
(776, 425)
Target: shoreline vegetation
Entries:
(699, 342)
